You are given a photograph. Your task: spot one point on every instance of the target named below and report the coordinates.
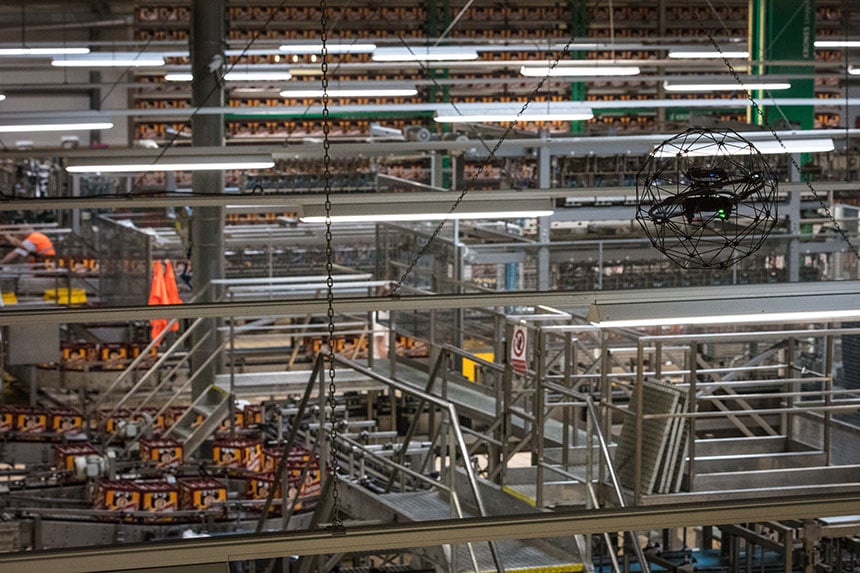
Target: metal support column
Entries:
(794, 229)
(208, 36)
(544, 182)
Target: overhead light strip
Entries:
(727, 86)
(109, 60)
(726, 311)
(58, 51)
(177, 163)
(566, 71)
(235, 76)
(401, 209)
(513, 112)
(350, 92)
(33, 123)
(765, 147)
(695, 54)
(837, 43)
(424, 54)
(316, 49)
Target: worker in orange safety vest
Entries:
(28, 242)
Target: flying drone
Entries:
(706, 198)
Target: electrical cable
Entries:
(758, 110)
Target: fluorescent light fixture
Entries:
(32, 123)
(178, 77)
(507, 112)
(235, 76)
(2, 97)
(697, 54)
(424, 54)
(584, 70)
(109, 60)
(837, 43)
(403, 210)
(799, 308)
(728, 86)
(174, 162)
(316, 49)
(354, 92)
(765, 147)
(58, 51)
(854, 71)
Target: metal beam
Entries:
(420, 534)
(303, 307)
(590, 198)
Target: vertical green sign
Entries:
(784, 30)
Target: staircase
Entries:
(161, 386)
(201, 419)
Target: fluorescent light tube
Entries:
(366, 92)
(178, 77)
(175, 163)
(505, 112)
(725, 311)
(109, 60)
(2, 97)
(396, 207)
(406, 217)
(854, 71)
(564, 71)
(694, 54)
(316, 49)
(35, 125)
(235, 76)
(837, 43)
(723, 86)
(765, 147)
(424, 54)
(58, 51)
(496, 117)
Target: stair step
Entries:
(743, 446)
(770, 479)
(204, 409)
(763, 461)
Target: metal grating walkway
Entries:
(516, 555)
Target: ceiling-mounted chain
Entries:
(758, 111)
(333, 465)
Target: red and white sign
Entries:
(519, 344)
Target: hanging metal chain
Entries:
(758, 110)
(333, 464)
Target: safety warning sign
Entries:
(519, 343)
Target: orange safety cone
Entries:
(171, 293)
(156, 297)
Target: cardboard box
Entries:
(64, 455)
(116, 495)
(66, 421)
(164, 453)
(238, 453)
(201, 493)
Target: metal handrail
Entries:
(455, 426)
(613, 476)
(144, 354)
(158, 364)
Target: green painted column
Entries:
(784, 30)
(579, 30)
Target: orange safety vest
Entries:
(44, 246)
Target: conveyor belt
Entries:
(247, 384)
(468, 399)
